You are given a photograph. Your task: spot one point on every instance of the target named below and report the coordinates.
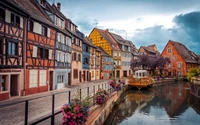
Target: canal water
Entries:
(170, 104)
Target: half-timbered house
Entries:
(39, 47)
(103, 39)
(86, 60)
(62, 71)
(12, 44)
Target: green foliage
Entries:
(192, 73)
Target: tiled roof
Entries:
(119, 39)
(103, 53)
(89, 42)
(150, 49)
(185, 53)
(109, 38)
(33, 11)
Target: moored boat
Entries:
(140, 80)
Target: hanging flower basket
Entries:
(101, 96)
(74, 113)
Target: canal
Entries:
(170, 104)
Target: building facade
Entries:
(182, 59)
(97, 63)
(126, 54)
(86, 60)
(103, 39)
(106, 65)
(12, 43)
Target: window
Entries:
(79, 57)
(60, 79)
(44, 31)
(43, 78)
(97, 73)
(3, 83)
(169, 50)
(179, 65)
(92, 73)
(33, 78)
(86, 48)
(1, 46)
(15, 19)
(12, 48)
(40, 52)
(175, 58)
(46, 53)
(74, 57)
(75, 73)
(42, 2)
(30, 25)
(2, 14)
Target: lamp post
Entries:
(114, 65)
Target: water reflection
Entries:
(169, 104)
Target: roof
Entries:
(150, 49)
(119, 39)
(88, 42)
(185, 53)
(105, 34)
(103, 53)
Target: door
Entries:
(69, 78)
(51, 81)
(14, 85)
(80, 76)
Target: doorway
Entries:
(51, 80)
(14, 85)
(84, 75)
(118, 74)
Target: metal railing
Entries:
(90, 93)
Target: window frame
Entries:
(30, 27)
(2, 18)
(15, 22)
(16, 48)
(44, 31)
(75, 73)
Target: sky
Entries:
(144, 22)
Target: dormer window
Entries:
(42, 3)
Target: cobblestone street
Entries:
(15, 114)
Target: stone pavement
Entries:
(38, 107)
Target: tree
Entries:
(193, 72)
(150, 62)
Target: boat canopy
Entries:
(141, 73)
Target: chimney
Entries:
(107, 30)
(58, 6)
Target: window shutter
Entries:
(70, 57)
(63, 57)
(50, 54)
(34, 54)
(63, 24)
(58, 56)
(37, 28)
(8, 16)
(21, 22)
(66, 39)
(48, 32)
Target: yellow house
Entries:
(103, 39)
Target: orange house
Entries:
(182, 59)
(40, 46)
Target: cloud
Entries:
(186, 31)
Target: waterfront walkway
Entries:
(37, 108)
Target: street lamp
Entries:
(114, 66)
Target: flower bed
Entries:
(115, 85)
(75, 113)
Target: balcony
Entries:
(117, 58)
